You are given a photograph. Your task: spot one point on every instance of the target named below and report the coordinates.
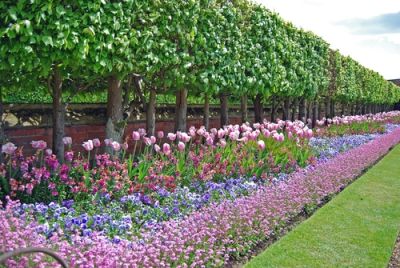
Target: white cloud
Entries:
(325, 18)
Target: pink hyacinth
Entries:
(8, 148)
(88, 145)
(40, 145)
(96, 143)
(135, 135)
(67, 140)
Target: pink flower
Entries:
(256, 125)
(166, 148)
(142, 132)
(153, 139)
(135, 135)
(171, 136)
(88, 145)
(160, 134)
(116, 146)
(8, 148)
(69, 156)
(147, 141)
(124, 146)
(181, 146)
(67, 140)
(234, 135)
(185, 137)
(210, 141)
(266, 133)
(261, 144)
(108, 142)
(192, 131)
(201, 131)
(96, 143)
(48, 152)
(222, 143)
(309, 133)
(157, 148)
(40, 145)
(221, 133)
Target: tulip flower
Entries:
(181, 146)
(135, 135)
(96, 143)
(8, 148)
(67, 140)
(171, 136)
(221, 133)
(40, 145)
(160, 134)
(166, 148)
(116, 146)
(153, 139)
(157, 148)
(261, 144)
(49, 152)
(108, 142)
(88, 145)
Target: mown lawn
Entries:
(358, 228)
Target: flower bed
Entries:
(211, 235)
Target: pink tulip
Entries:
(147, 141)
(266, 133)
(96, 143)
(135, 135)
(181, 146)
(88, 145)
(108, 142)
(40, 145)
(201, 131)
(261, 144)
(116, 146)
(160, 134)
(8, 148)
(210, 141)
(221, 133)
(171, 136)
(256, 125)
(67, 140)
(166, 148)
(192, 131)
(222, 143)
(124, 146)
(49, 152)
(185, 137)
(157, 148)
(153, 139)
(234, 135)
(309, 133)
(290, 135)
(142, 132)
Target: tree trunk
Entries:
(115, 122)
(352, 109)
(319, 112)
(224, 109)
(333, 109)
(309, 109)
(243, 108)
(286, 109)
(181, 110)
(258, 109)
(2, 134)
(206, 115)
(314, 114)
(295, 104)
(151, 113)
(58, 115)
(327, 107)
(302, 110)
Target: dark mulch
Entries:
(395, 260)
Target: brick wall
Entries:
(22, 136)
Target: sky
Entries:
(366, 30)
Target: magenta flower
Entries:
(8, 148)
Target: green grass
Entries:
(358, 228)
